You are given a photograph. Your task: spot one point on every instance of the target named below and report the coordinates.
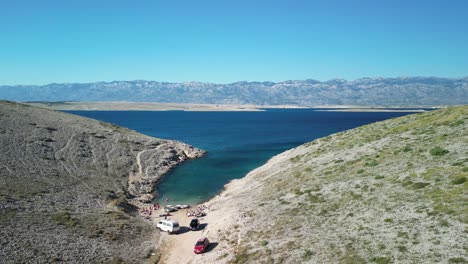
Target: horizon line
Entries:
(241, 81)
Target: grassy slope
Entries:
(388, 192)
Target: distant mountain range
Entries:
(402, 91)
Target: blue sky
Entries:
(226, 41)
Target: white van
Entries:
(169, 226)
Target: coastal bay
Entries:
(237, 142)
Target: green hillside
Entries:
(388, 192)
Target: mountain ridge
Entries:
(400, 91)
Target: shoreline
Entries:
(152, 106)
(178, 248)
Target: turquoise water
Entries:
(237, 142)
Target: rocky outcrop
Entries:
(67, 185)
(155, 162)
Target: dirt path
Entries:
(178, 248)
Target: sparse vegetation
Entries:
(419, 185)
(407, 149)
(372, 163)
(64, 218)
(380, 180)
(66, 188)
(381, 260)
(438, 151)
(402, 248)
(459, 180)
(458, 260)
(307, 254)
(368, 208)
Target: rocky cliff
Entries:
(388, 192)
(68, 186)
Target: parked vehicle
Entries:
(170, 208)
(194, 224)
(201, 245)
(169, 226)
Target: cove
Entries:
(237, 142)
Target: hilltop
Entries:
(388, 192)
(71, 186)
(402, 91)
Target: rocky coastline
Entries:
(70, 187)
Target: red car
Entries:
(201, 245)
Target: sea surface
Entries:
(237, 142)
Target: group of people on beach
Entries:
(146, 212)
(197, 211)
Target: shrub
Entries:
(457, 260)
(444, 223)
(381, 246)
(298, 192)
(64, 218)
(420, 185)
(402, 248)
(459, 180)
(438, 151)
(355, 196)
(241, 257)
(307, 254)
(263, 242)
(223, 256)
(381, 260)
(314, 198)
(403, 234)
(407, 149)
(295, 159)
(457, 123)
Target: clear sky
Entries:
(44, 41)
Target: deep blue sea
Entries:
(237, 142)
